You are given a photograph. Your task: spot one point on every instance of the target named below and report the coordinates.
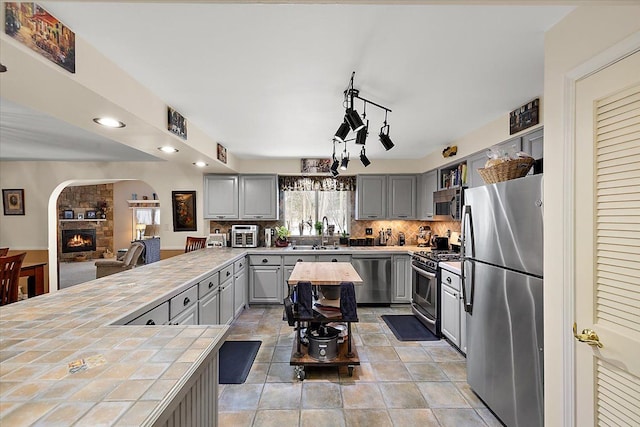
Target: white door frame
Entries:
(613, 54)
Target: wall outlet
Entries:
(368, 231)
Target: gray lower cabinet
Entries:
(183, 308)
(265, 280)
(450, 295)
(156, 316)
(209, 308)
(240, 285)
(227, 307)
(220, 197)
(401, 279)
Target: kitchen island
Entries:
(68, 357)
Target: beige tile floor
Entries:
(410, 383)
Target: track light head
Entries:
(363, 158)
(335, 172)
(384, 138)
(342, 132)
(345, 163)
(353, 118)
(361, 136)
(335, 166)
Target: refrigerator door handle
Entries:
(464, 235)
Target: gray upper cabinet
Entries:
(402, 200)
(258, 197)
(532, 143)
(371, 197)
(221, 197)
(427, 184)
(474, 163)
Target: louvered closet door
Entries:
(607, 244)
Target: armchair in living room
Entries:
(105, 267)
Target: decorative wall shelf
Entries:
(154, 203)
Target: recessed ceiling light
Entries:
(201, 164)
(109, 122)
(168, 149)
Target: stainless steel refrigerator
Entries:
(502, 291)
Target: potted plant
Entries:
(344, 239)
(282, 233)
(318, 227)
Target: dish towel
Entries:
(305, 304)
(151, 250)
(348, 302)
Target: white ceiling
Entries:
(267, 80)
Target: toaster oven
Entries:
(244, 236)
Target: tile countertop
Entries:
(132, 372)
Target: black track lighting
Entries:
(335, 165)
(363, 158)
(386, 141)
(335, 172)
(353, 118)
(342, 132)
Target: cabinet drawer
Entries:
(182, 301)
(156, 316)
(265, 259)
(239, 265)
(226, 272)
(293, 259)
(450, 279)
(334, 258)
(208, 284)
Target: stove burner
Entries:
(437, 256)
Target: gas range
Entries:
(431, 259)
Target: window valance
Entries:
(317, 183)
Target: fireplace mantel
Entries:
(82, 220)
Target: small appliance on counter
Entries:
(424, 236)
(217, 240)
(244, 236)
(440, 243)
(267, 237)
(401, 239)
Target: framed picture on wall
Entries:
(13, 201)
(184, 210)
(67, 214)
(90, 214)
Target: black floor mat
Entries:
(235, 360)
(407, 328)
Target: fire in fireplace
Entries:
(78, 240)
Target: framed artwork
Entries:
(176, 123)
(184, 210)
(31, 25)
(13, 201)
(315, 165)
(80, 216)
(90, 214)
(222, 153)
(524, 116)
(67, 214)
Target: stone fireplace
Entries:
(80, 240)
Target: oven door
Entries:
(425, 297)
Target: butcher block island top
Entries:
(324, 273)
(66, 358)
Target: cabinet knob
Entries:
(228, 273)
(334, 260)
(150, 322)
(448, 279)
(210, 285)
(186, 301)
(264, 261)
(299, 260)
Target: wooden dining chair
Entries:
(195, 243)
(10, 277)
(4, 251)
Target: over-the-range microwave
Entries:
(447, 204)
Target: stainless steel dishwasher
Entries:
(375, 272)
